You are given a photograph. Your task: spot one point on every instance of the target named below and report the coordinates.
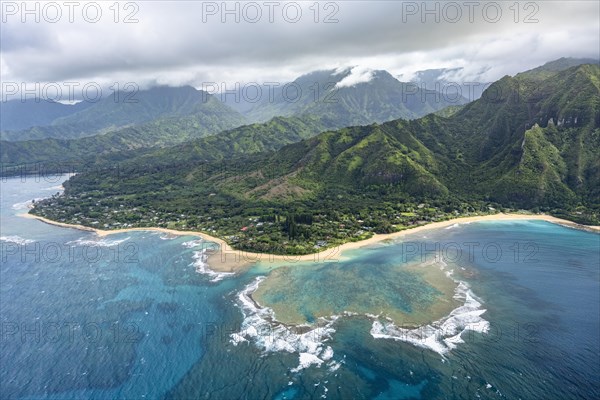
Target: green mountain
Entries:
(449, 79)
(201, 117)
(132, 109)
(523, 143)
(527, 143)
(19, 115)
(538, 146)
(449, 111)
(552, 67)
(382, 98)
(333, 97)
(520, 145)
(189, 137)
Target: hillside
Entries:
(24, 114)
(552, 67)
(524, 144)
(381, 99)
(190, 138)
(129, 110)
(332, 96)
(519, 145)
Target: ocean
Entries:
(495, 309)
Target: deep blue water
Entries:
(127, 316)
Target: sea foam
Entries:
(18, 240)
(261, 328)
(57, 187)
(452, 226)
(444, 334)
(99, 243)
(25, 204)
(192, 243)
(201, 267)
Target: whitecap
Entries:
(57, 187)
(201, 267)
(26, 204)
(192, 243)
(237, 338)
(306, 360)
(334, 366)
(327, 354)
(261, 327)
(22, 205)
(444, 334)
(100, 243)
(16, 240)
(165, 235)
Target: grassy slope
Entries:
(525, 143)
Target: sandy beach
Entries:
(227, 259)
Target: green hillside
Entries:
(189, 137)
(182, 114)
(525, 144)
(133, 109)
(23, 114)
(322, 94)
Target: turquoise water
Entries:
(128, 316)
(360, 285)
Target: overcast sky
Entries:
(187, 42)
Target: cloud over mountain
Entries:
(196, 42)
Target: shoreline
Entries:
(227, 259)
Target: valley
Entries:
(282, 188)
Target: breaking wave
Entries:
(101, 242)
(192, 243)
(201, 267)
(261, 328)
(452, 226)
(25, 204)
(57, 187)
(444, 334)
(16, 240)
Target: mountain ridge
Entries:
(527, 143)
(128, 109)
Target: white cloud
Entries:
(357, 75)
(173, 44)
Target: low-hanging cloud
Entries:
(177, 43)
(357, 75)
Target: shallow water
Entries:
(136, 316)
(367, 284)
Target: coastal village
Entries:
(272, 232)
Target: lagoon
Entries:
(132, 315)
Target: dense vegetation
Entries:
(23, 114)
(530, 142)
(322, 94)
(174, 198)
(310, 105)
(52, 155)
(124, 109)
